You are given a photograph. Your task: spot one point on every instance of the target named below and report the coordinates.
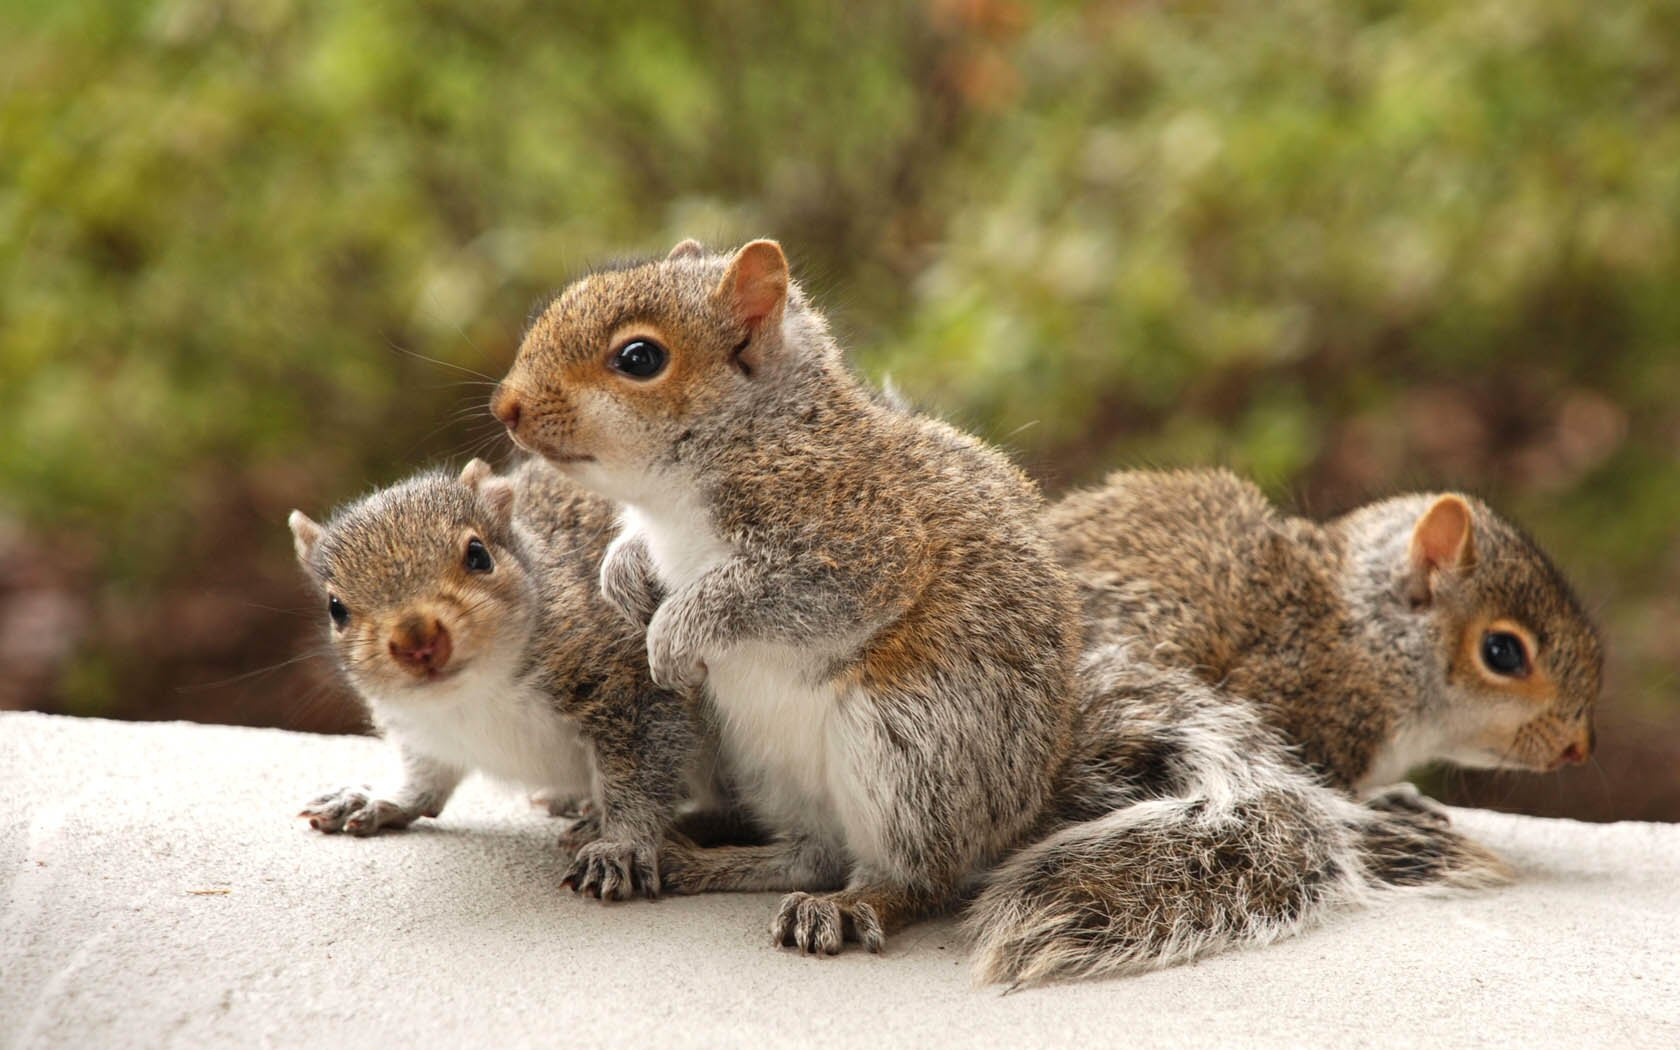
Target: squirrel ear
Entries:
(754, 290)
(689, 249)
(305, 536)
(496, 493)
(1442, 541)
(475, 473)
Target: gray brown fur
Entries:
(1320, 624)
(1244, 666)
(1186, 826)
(559, 698)
(885, 573)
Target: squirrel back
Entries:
(1414, 629)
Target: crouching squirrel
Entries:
(882, 631)
(1251, 674)
(465, 613)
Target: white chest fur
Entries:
(1410, 747)
(776, 716)
(499, 727)
(680, 540)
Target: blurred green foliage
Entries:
(1348, 247)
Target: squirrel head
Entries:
(626, 365)
(424, 584)
(1521, 661)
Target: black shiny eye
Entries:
(478, 558)
(1504, 653)
(339, 612)
(639, 359)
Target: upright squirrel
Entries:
(1244, 667)
(884, 634)
(466, 613)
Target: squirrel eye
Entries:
(478, 557)
(339, 612)
(1504, 654)
(639, 359)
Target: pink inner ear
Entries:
(759, 275)
(1442, 537)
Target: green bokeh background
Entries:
(258, 253)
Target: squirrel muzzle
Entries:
(421, 646)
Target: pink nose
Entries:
(421, 647)
(1573, 755)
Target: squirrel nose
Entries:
(1579, 750)
(421, 645)
(505, 407)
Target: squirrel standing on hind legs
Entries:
(1244, 667)
(884, 636)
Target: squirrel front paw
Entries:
(673, 659)
(613, 870)
(1406, 800)
(821, 924)
(626, 583)
(357, 812)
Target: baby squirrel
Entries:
(1249, 673)
(465, 612)
(886, 640)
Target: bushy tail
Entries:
(1193, 830)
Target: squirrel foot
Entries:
(357, 812)
(610, 870)
(820, 924)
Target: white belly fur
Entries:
(781, 734)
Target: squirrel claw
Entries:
(355, 811)
(611, 871)
(822, 924)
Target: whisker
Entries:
(247, 675)
(441, 363)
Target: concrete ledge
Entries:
(160, 893)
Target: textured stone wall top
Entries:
(159, 892)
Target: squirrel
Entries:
(465, 613)
(883, 634)
(1250, 677)
(1414, 629)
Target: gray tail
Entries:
(1230, 843)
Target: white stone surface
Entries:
(159, 892)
